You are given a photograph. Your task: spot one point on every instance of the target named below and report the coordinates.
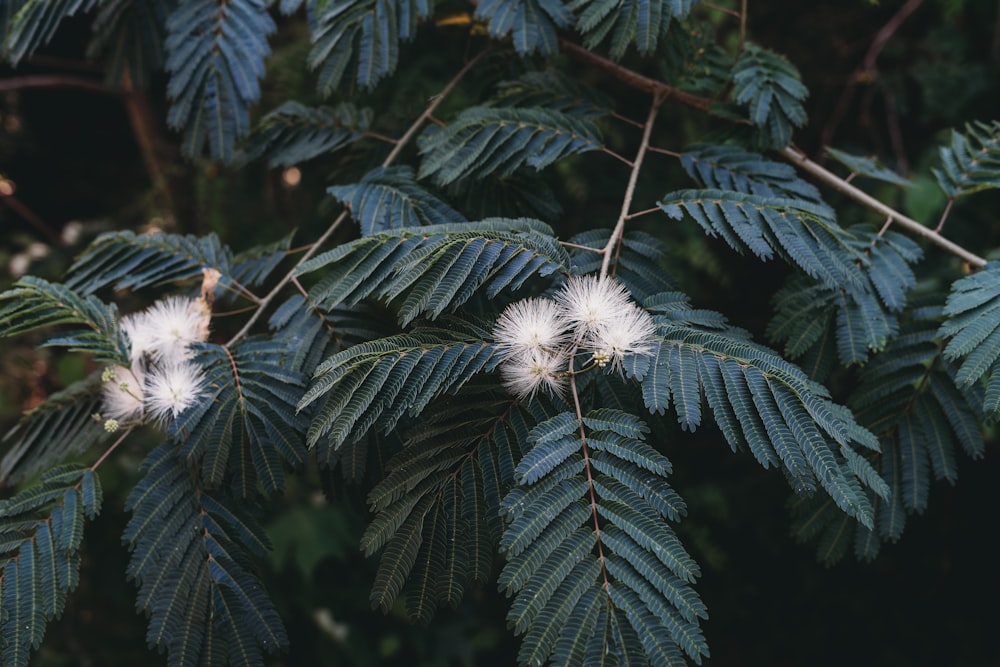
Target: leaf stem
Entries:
(616, 234)
(799, 159)
(113, 447)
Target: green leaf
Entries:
(485, 140)
(294, 133)
(531, 24)
(972, 162)
(868, 167)
(771, 89)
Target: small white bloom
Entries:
(172, 389)
(631, 331)
(524, 374)
(123, 393)
(169, 326)
(530, 325)
(589, 302)
(140, 335)
(111, 425)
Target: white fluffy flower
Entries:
(530, 325)
(139, 335)
(171, 389)
(524, 374)
(590, 302)
(170, 325)
(629, 332)
(123, 393)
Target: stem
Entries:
(586, 466)
(944, 216)
(743, 24)
(616, 233)
(397, 149)
(800, 160)
(429, 111)
(113, 447)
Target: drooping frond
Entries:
(762, 403)
(130, 35)
(34, 303)
(592, 488)
(531, 24)
(436, 508)
(625, 22)
(59, 427)
(907, 395)
(435, 268)
(868, 167)
(255, 265)
(551, 89)
(126, 260)
(294, 133)
(364, 32)
(723, 167)
(972, 162)
(374, 384)
(32, 23)
(800, 231)
(483, 140)
(41, 529)
(215, 56)
(389, 198)
(973, 324)
(244, 426)
(191, 559)
(771, 89)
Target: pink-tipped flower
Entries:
(525, 374)
(171, 389)
(123, 393)
(528, 326)
(589, 302)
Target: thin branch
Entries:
(944, 215)
(616, 234)
(568, 244)
(743, 25)
(626, 119)
(428, 113)
(620, 158)
(113, 447)
(724, 10)
(22, 210)
(56, 81)
(380, 137)
(800, 160)
(397, 149)
(645, 211)
(266, 300)
(664, 151)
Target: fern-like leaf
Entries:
(802, 232)
(130, 34)
(34, 303)
(125, 260)
(572, 500)
(436, 267)
(33, 23)
(531, 24)
(973, 324)
(724, 167)
(294, 133)
(868, 167)
(377, 383)
(191, 559)
(483, 140)
(763, 403)
(366, 33)
(215, 56)
(972, 162)
(245, 425)
(41, 529)
(432, 508)
(59, 427)
(771, 89)
(389, 198)
(639, 22)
